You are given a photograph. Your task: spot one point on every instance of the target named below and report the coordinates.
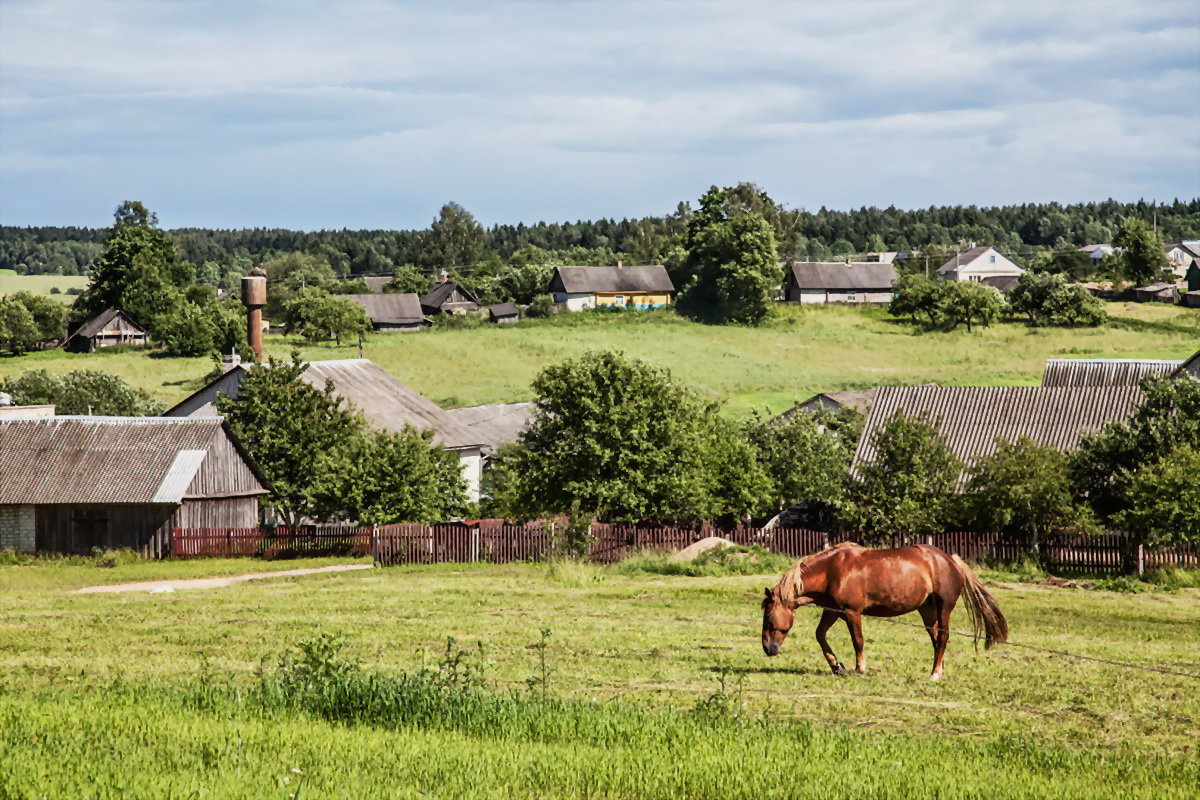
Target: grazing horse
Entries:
(848, 580)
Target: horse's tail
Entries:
(982, 608)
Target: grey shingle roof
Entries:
(1103, 371)
(971, 418)
(858, 399)
(586, 280)
(103, 459)
(504, 310)
(964, 258)
(97, 323)
(835, 275)
(497, 423)
(376, 283)
(390, 309)
(441, 293)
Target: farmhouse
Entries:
(71, 484)
(839, 282)
(449, 297)
(977, 264)
(1103, 371)
(384, 401)
(641, 287)
(104, 330)
(495, 424)
(971, 418)
(392, 312)
(1182, 255)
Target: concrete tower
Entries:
(254, 297)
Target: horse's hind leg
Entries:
(936, 616)
(854, 623)
(827, 620)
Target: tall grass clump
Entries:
(715, 563)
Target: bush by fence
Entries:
(497, 542)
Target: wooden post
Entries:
(1141, 559)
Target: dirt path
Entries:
(212, 583)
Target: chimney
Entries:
(443, 277)
(254, 297)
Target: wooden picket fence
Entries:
(498, 542)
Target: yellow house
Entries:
(641, 287)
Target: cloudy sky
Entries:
(373, 114)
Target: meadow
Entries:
(802, 351)
(570, 680)
(11, 282)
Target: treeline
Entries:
(1019, 230)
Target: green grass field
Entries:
(139, 695)
(11, 282)
(804, 351)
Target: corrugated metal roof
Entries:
(1103, 371)
(1192, 366)
(834, 275)
(99, 459)
(971, 418)
(390, 309)
(586, 280)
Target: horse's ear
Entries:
(768, 593)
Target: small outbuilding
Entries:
(106, 329)
(504, 313)
(73, 484)
(1190, 299)
(1158, 292)
(392, 312)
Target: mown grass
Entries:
(160, 694)
(11, 282)
(800, 352)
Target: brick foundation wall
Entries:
(18, 528)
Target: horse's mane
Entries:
(791, 584)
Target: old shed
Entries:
(71, 484)
(104, 330)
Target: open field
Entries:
(11, 282)
(143, 695)
(804, 351)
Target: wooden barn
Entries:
(449, 297)
(105, 330)
(391, 312)
(504, 313)
(71, 484)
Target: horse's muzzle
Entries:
(771, 649)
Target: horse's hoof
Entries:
(937, 676)
(840, 671)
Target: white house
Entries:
(977, 264)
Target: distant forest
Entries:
(1018, 231)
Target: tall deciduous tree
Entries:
(81, 391)
(731, 270)
(802, 456)
(1142, 257)
(621, 440)
(454, 239)
(1164, 498)
(1047, 299)
(971, 303)
(907, 488)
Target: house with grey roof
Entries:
(108, 328)
(449, 297)
(1182, 255)
(811, 282)
(856, 399)
(577, 288)
(494, 424)
(383, 400)
(979, 263)
(972, 418)
(72, 484)
(392, 312)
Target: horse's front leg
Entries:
(854, 623)
(827, 620)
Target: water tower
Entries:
(254, 297)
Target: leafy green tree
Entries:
(908, 487)
(521, 283)
(300, 435)
(49, 316)
(1106, 462)
(620, 440)
(189, 331)
(970, 303)
(1142, 257)
(408, 279)
(454, 239)
(18, 330)
(81, 392)
(1047, 299)
(731, 269)
(1023, 488)
(915, 296)
(397, 477)
(1164, 499)
(803, 458)
(140, 272)
(316, 315)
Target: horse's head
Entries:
(777, 621)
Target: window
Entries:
(851, 296)
(992, 258)
(976, 278)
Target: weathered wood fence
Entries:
(497, 542)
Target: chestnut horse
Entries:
(848, 580)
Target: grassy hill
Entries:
(803, 351)
(11, 282)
